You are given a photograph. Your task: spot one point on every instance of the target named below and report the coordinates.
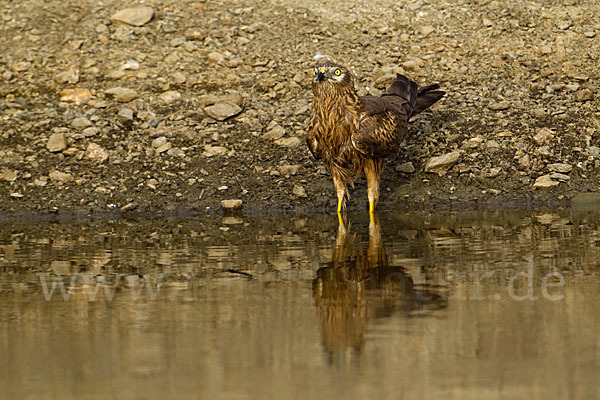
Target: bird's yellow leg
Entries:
(371, 207)
(340, 205)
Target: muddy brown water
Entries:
(474, 305)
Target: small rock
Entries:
(128, 207)
(194, 34)
(170, 96)
(525, 161)
(96, 152)
(545, 182)
(410, 66)
(232, 220)
(176, 152)
(172, 58)
(274, 131)
(560, 167)
(544, 135)
(91, 131)
(152, 183)
(71, 151)
(8, 175)
(503, 105)
(594, 151)
(299, 191)
(233, 204)
(70, 76)
(584, 95)
(223, 110)
(559, 177)
(590, 34)
(406, 168)
(210, 151)
(564, 25)
(288, 170)
(441, 164)
(216, 57)
(81, 123)
(126, 113)
(57, 142)
(426, 30)
(492, 145)
(179, 78)
(121, 94)
(7, 75)
(165, 147)
(130, 65)
(21, 66)
(77, 95)
(136, 16)
(60, 176)
(159, 141)
(289, 142)
(40, 182)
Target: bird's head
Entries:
(330, 73)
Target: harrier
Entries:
(352, 133)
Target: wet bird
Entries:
(353, 133)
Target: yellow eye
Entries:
(338, 72)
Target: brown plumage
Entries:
(352, 133)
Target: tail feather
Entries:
(417, 100)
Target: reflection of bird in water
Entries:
(360, 285)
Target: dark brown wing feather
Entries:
(384, 119)
(382, 125)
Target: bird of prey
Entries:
(352, 133)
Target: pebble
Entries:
(232, 204)
(525, 161)
(40, 182)
(289, 142)
(57, 142)
(126, 113)
(71, 76)
(503, 105)
(194, 34)
(77, 95)
(81, 123)
(176, 152)
(288, 170)
(8, 175)
(426, 30)
(16, 195)
(91, 131)
(122, 95)
(172, 58)
(560, 167)
(559, 177)
(274, 131)
(216, 57)
(170, 96)
(543, 136)
(60, 176)
(299, 191)
(223, 110)
(21, 66)
(152, 183)
(159, 141)
(130, 65)
(584, 95)
(210, 151)
(136, 16)
(407, 168)
(96, 152)
(165, 147)
(441, 164)
(545, 182)
(179, 78)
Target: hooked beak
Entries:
(320, 76)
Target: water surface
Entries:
(406, 306)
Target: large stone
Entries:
(136, 16)
(122, 95)
(223, 110)
(57, 142)
(545, 182)
(439, 165)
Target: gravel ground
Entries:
(179, 104)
